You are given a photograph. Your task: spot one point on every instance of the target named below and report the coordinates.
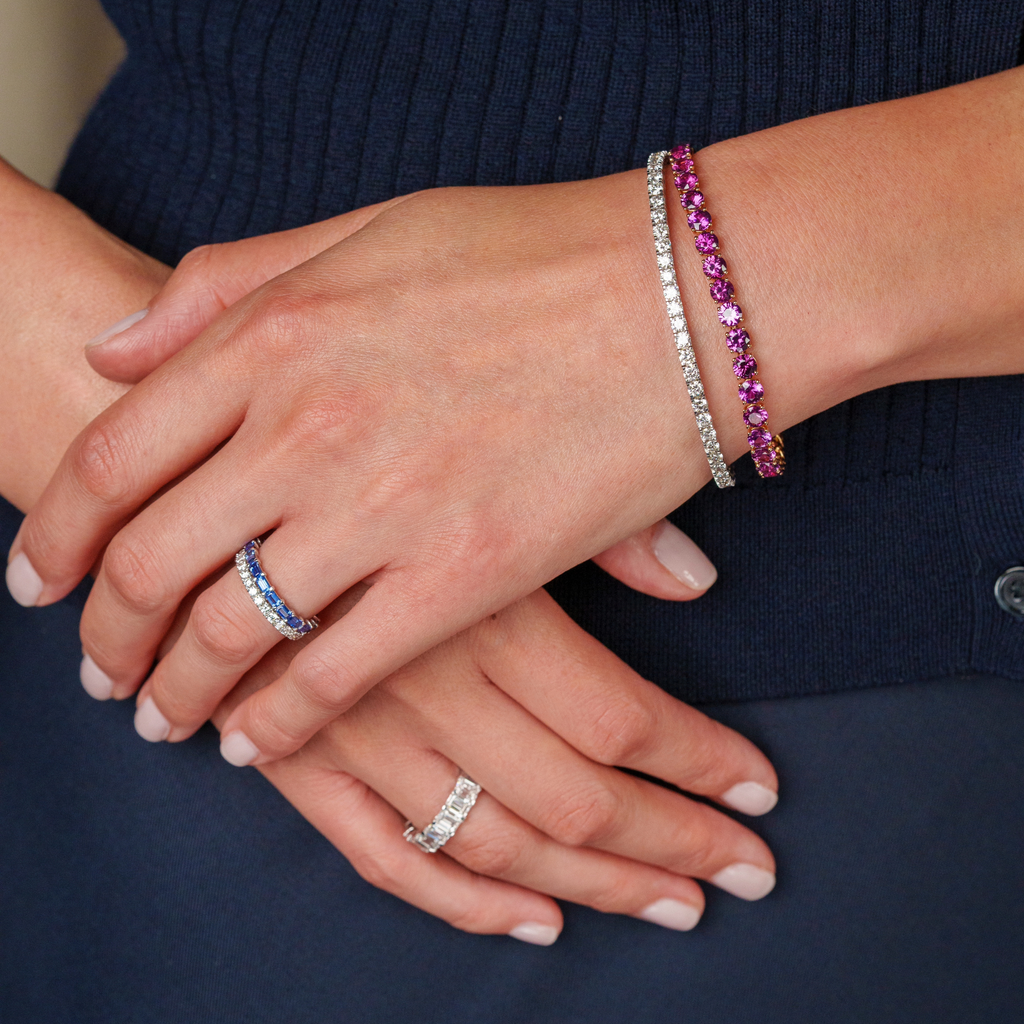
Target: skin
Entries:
(520, 699)
(478, 416)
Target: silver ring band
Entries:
(455, 811)
(680, 332)
(266, 598)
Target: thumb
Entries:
(203, 285)
(661, 561)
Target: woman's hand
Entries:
(477, 390)
(537, 712)
(467, 454)
(100, 278)
(213, 277)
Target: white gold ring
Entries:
(455, 811)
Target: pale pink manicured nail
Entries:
(674, 914)
(95, 681)
(119, 328)
(535, 934)
(150, 723)
(24, 583)
(745, 880)
(750, 798)
(236, 748)
(682, 557)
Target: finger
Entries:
(203, 285)
(493, 841)
(580, 804)
(369, 834)
(584, 693)
(391, 625)
(148, 567)
(226, 634)
(139, 444)
(661, 561)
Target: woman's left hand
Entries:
(538, 713)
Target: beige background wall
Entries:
(55, 56)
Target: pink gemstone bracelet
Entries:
(766, 450)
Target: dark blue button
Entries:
(1010, 591)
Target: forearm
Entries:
(62, 280)
(868, 246)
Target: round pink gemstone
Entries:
(706, 243)
(765, 469)
(737, 340)
(681, 152)
(759, 438)
(684, 165)
(714, 266)
(687, 182)
(755, 416)
(751, 391)
(729, 314)
(699, 220)
(692, 200)
(721, 291)
(744, 366)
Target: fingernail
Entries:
(95, 681)
(118, 328)
(750, 798)
(745, 880)
(535, 934)
(682, 557)
(674, 914)
(150, 724)
(24, 583)
(236, 748)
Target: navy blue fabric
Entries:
(898, 510)
(156, 885)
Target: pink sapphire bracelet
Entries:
(765, 449)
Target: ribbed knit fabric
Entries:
(873, 560)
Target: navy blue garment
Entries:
(154, 885)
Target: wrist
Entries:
(62, 280)
(856, 269)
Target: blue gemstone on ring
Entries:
(272, 606)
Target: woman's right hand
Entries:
(539, 713)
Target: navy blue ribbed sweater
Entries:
(874, 558)
(155, 884)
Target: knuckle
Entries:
(584, 818)
(323, 423)
(490, 849)
(620, 731)
(323, 683)
(227, 639)
(133, 573)
(195, 263)
(709, 758)
(381, 868)
(281, 325)
(100, 460)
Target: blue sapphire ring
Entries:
(266, 598)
